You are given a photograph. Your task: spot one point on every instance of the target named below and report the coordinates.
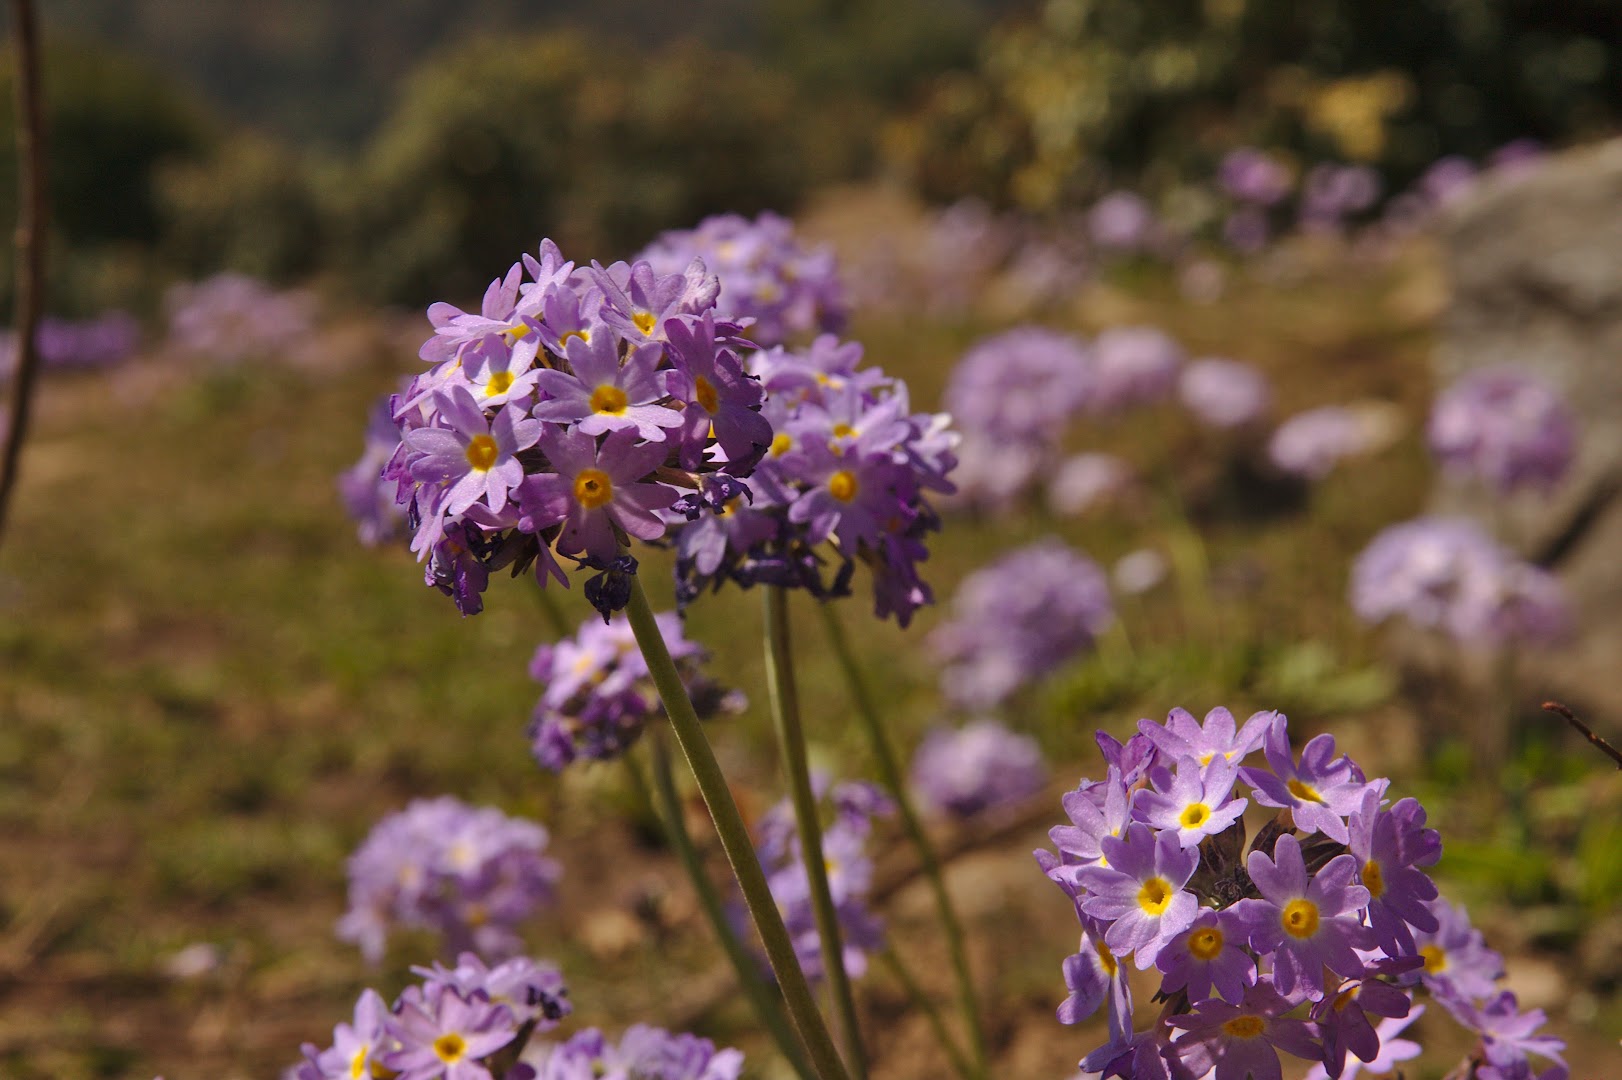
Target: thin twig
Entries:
(31, 220)
(1588, 733)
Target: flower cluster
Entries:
(850, 872)
(643, 1053)
(568, 412)
(1310, 444)
(599, 694)
(367, 497)
(104, 341)
(981, 766)
(766, 274)
(1019, 619)
(1224, 393)
(1506, 427)
(1308, 943)
(450, 1025)
(230, 318)
(1447, 574)
(472, 874)
(850, 463)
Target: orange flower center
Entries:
(482, 452)
(593, 488)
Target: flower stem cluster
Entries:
(1308, 943)
(849, 466)
(599, 693)
(472, 874)
(565, 414)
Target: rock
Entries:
(1536, 269)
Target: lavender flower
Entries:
(1139, 891)
(368, 497)
(1508, 1036)
(643, 1053)
(1019, 619)
(231, 318)
(1254, 176)
(1506, 427)
(445, 1035)
(982, 766)
(1224, 393)
(472, 874)
(62, 344)
(1133, 365)
(1447, 574)
(599, 695)
(766, 274)
(1239, 1041)
(1393, 1051)
(1085, 481)
(1458, 964)
(1209, 955)
(1022, 386)
(1121, 221)
(1311, 444)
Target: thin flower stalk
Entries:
(890, 775)
(960, 1062)
(760, 995)
(735, 839)
(791, 744)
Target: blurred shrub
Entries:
(248, 207)
(505, 140)
(1091, 91)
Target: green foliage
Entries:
(1092, 91)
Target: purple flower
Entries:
(367, 496)
(1241, 1042)
(1084, 481)
(1096, 810)
(1388, 845)
(230, 318)
(1094, 976)
(722, 401)
(1133, 365)
(1505, 426)
(475, 458)
(643, 1053)
(1393, 1051)
(596, 490)
(1343, 1020)
(1209, 954)
(1254, 176)
(1139, 891)
(1458, 964)
(980, 767)
(1182, 736)
(533, 992)
(1019, 619)
(1195, 803)
(1224, 393)
(1022, 386)
(1508, 1036)
(1448, 180)
(1305, 925)
(445, 1035)
(1319, 792)
(355, 1047)
(1120, 221)
(603, 395)
(1311, 444)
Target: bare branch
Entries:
(1588, 733)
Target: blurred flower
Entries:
(1224, 393)
(1448, 180)
(104, 341)
(1505, 426)
(368, 497)
(1132, 365)
(979, 767)
(1019, 619)
(472, 874)
(1023, 386)
(1254, 176)
(230, 318)
(643, 1053)
(1312, 443)
(1332, 193)
(1139, 571)
(1082, 482)
(1120, 221)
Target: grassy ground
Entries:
(209, 692)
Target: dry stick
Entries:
(1588, 733)
(735, 840)
(31, 219)
(785, 701)
(890, 774)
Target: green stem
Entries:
(890, 774)
(735, 841)
(932, 1014)
(791, 742)
(760, 996)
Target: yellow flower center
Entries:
(1304, 792)
(842, 431)
(1194, 815)
(450, 1047)
(516, 333)
(1435, 958)
(357, 1064)
(729, 507)
(1106, 958)
(500, 382)
(1205, 758)
(644, 321)
(1300, 918)
(1205, 943)
(1155, 895)
(1346, 997)
(1245, 1027)
(593, 488)
(704, 393)
(1373, 879)
(583, 335)
(609, 399)
(781, 444)
(842, 485)
(482, 452)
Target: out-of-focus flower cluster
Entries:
(1310, 444)
(854, 805)
(1505, 427)
(642, 1053)
(599, 695)
(1309, 940)
(766, 274)
(568, 412)
(471, 874)
(230, 318)
(451, 1025)
(1447, 574)
(977, 768)
(850, 463)
(64, 344)
(1019, 619)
